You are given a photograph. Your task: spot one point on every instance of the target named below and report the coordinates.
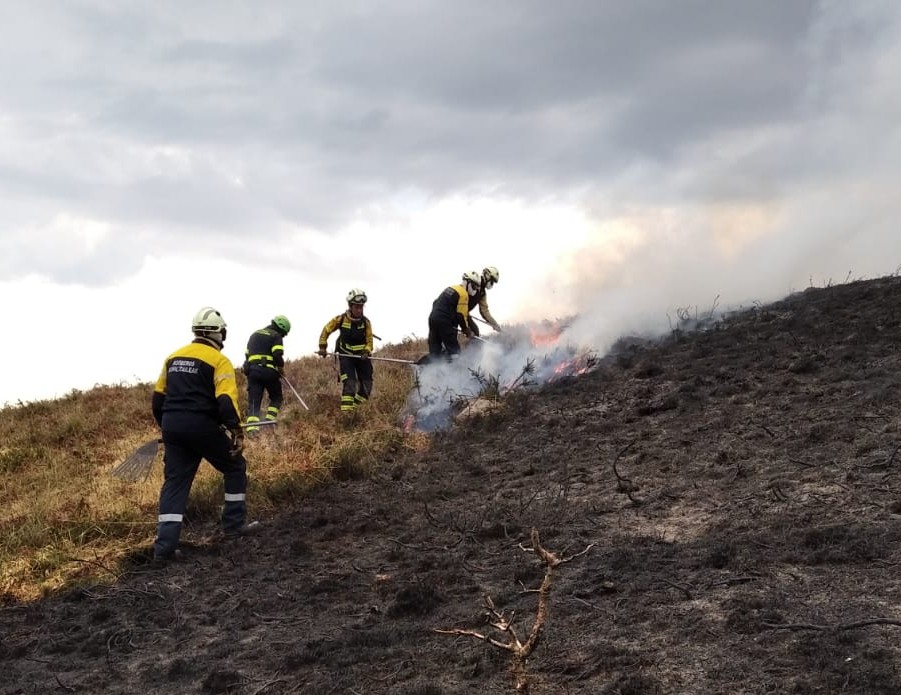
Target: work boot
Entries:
(250, 430)
(251, 528)
(163, 559)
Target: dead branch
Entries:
(624, 484)
(520, 651)
(833, 628)
(67, 688)
(891, 459)
(684, 588)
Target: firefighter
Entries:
(353, 346)
(264, 366)
(490, 277)
(449, 310)
(195, 403)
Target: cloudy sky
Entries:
(617, 159)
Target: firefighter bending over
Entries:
(449, 310)
(490, 277)
(264, 365)
(353, 347)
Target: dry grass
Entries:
(65, 520)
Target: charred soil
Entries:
(736, 490)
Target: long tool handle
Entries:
(378, 359)
(258, 423)
(294, 391)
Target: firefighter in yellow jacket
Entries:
(195, 403)
(490, 277)
(450, 310)
(353, 347)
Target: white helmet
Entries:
(490, 277)
(472, 280)
(208, 323)
(356, 296)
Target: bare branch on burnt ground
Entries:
(464, 524)
(838, 627)
(891, 459)
(520, 651)
(624, 484)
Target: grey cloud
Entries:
(324, 109)
(68, 259)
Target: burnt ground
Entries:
(740, 489)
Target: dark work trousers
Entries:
(356, 381)
(183, 452)
(262, 379)
(442, 334)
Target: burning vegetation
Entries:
(521, 357)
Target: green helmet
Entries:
(282, 324)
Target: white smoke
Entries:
(521, 357)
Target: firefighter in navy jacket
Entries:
(353, 347)
(264, 365)
(195, 403)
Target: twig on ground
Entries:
(835, 628)
(624, 484)
(684, 588)
(520, 651)
(267, 684)
(891, 459)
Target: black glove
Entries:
(237, 442)
(321, 352)
(365, 354)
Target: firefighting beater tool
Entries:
(138, 464)
(294, 391)
(473, 336)
(377, 359)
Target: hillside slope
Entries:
(736, 491)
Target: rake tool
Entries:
(294, 391)
(377, 359)
(140, 461)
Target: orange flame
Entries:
(544, 335)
